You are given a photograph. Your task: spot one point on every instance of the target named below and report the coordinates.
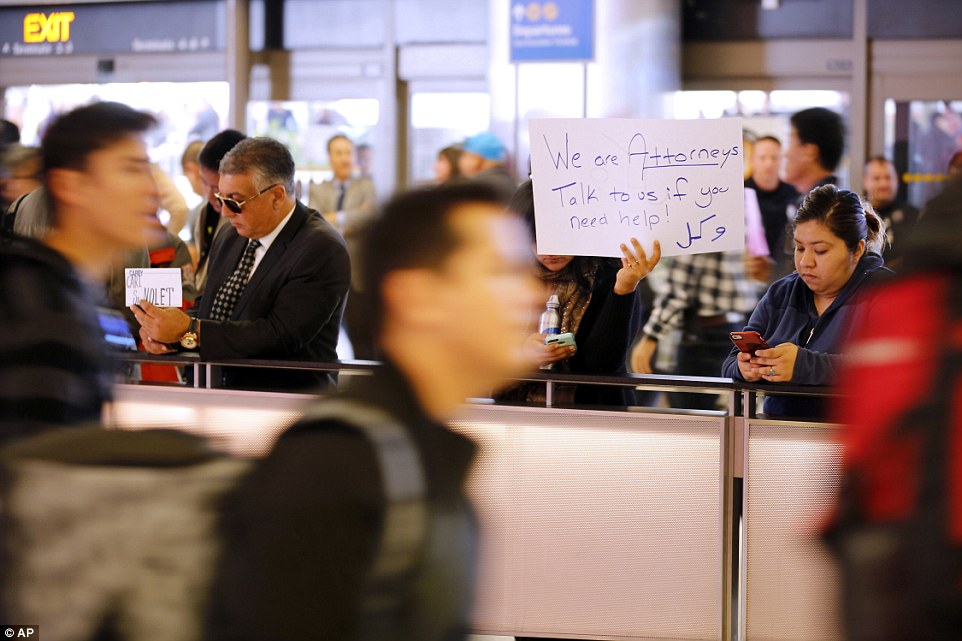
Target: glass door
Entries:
(924, 140)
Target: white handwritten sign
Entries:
(599, 182)
(161, 286)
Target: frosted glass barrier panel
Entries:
(597, 524)
(792, 585)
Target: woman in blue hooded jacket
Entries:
(805, 316)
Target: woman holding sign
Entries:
(599, 304)
(805, 315)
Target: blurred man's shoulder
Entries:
(23, 257)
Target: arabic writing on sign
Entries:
(599, 182)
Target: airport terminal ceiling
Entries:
(442, 110)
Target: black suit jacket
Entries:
(291, 308)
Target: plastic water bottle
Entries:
(550, 321)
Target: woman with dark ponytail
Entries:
(805, 315)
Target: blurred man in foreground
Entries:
(102, 200)
(319, 542)
(897, 523)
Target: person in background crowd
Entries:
(209, 220)
(277, 280)
(346, 201)
(365, 161)
(452, 292)
(954, 169)
(937, 143)
(446, 166)
(9, 134)
(748, 145)
(774, 198)
(190, 167)
(484, 158)
(53, 366)
(880, 183)
(206, 123)
(708, 296)
(19, 175)
(804, 316)
(599, 304)
(30, 213)
(815, 149)
(171, 200)
(349, 203)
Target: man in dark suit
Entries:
(277, 282)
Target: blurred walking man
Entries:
(54, 369)
(319, 542)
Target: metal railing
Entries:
(741, 397)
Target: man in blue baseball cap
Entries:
(484, 159)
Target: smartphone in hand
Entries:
(748, 342)
(560, 340)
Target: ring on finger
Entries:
(771, 372)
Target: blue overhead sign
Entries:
(552, 30)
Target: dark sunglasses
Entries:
(235, 206)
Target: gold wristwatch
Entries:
(190, 338)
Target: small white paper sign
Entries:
(161, 286)
(599, 182)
